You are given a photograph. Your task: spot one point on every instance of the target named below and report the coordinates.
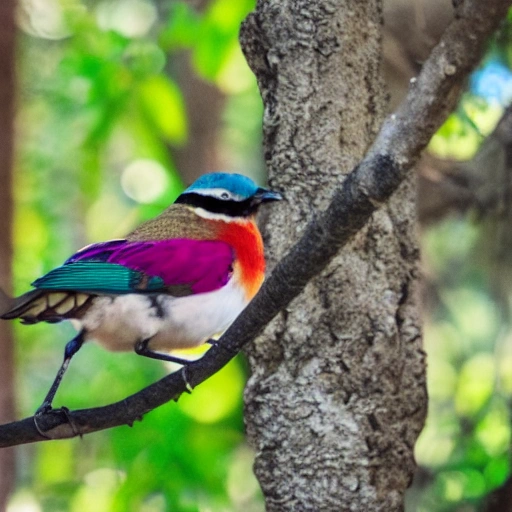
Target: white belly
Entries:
(119, 322)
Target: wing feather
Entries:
(178, 266)
(44, 305)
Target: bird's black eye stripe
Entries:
(215, 205)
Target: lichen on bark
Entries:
(337, 394)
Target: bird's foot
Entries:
(45, 409)
(188, 387)
(212, 342)
(142, 349)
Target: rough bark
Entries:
(334, 412)
(337, 395)
(7, 42)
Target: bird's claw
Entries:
(46, 408)
(42, 410)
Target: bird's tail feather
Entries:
(14, 308)
(46, 306)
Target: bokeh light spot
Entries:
(132, 18)
(144, 180)
(476, 383)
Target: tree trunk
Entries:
(7, 43)
(337, 394)
(205, 104)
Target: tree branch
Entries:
(482, 184)
(396, 149)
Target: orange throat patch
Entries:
(246, 240)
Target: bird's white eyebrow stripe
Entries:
(208, 191)
(205, 214)
(214, 192)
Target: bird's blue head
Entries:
(228, 194)
(239, 186)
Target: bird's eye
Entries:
(224, 195)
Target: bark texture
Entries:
(337, 395)
(7, 43)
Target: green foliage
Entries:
(465, 129)
(217, 26)
(464, 448)
(99, 117)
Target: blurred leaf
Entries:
(96, 495)
(144, 58)
(219, 29)
(474, 314)
(182, 27)
(163, 105)
(212, 51)
(473, 454)
(462, 133)
(93, 107)
(497, 471)
(476, 384)
(55, 465)
(493, 430)
(216, 398)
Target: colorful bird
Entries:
(172, 283)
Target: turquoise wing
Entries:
(99, 277)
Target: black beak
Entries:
(263, 195)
